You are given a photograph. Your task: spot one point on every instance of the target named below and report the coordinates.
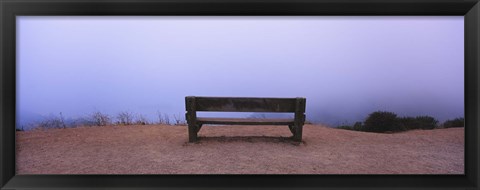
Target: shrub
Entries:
(82, 121)
(125, 118)
(358, 126)
(382, 121)
(141, 120)
(457, 122)
(166, 119)
(54, 122)
(100, 119)
(178, 119)
(160, 118)
(425, 122)
(419, 122)
(347, 127)
(163, 119)
(407, 123)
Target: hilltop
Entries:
(162, 149)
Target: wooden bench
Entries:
(242, 104)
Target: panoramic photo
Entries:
(240, 95)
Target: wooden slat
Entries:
(242, 104)
(244, 121)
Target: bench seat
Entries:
(245, 121)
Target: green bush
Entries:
(425, 122)
(347, 127)
(457, 122)
(358, 126)
(407, 123)
(382, 121)
(419, 122)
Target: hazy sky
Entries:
(346, 67)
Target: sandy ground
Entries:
(156, 149)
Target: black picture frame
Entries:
(9, 9)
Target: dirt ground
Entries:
(156, 149)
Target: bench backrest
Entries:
(244, 104)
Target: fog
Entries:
(346, 67)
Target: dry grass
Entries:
(158, 149)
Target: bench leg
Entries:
(292, 129)
(192, 133)
(297, 136)
(199, 126)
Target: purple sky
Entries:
(346, 67)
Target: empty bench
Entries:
(237, 104)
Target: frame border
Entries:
(9, 9)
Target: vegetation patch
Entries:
(387, 122)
